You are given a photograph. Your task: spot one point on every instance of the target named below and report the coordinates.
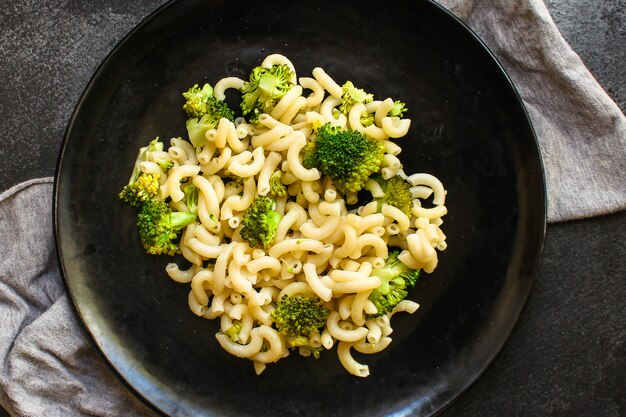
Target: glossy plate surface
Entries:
(469, 128)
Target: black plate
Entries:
(469, 129)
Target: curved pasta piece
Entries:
(395, 128)
(179, 275)
(265, 262)
(271, 163)
(398, 216)
(241, 351)
(224, 84)
(175, 177)
(349, 363)
(276, 346)
(354, 117)
(239, 202)
(429, 213)
(248, 170)
(350, 287)
(296, 288)
(370, 348)
(298, 142)
(327, 82)
(382, 111)
(201, 282)
(317, 91)
(195, 307)
(345, 335)
(285, 102)
(292, 245)
(310, 230)
(274, 134)
(373, 240)
(322, 291)
(278, 59)
(439, 197)
(326, 110)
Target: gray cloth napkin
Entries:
(581, 131)
(50, 368)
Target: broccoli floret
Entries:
(159, 227)
(142, 186)
(347, 156)
(140, 189)
(233, 331)
(155, 152)
(265, 88)
(395, 278)
(191, 198)
(351, 96)
(204, 112)
(196, 100)
(398, 109)
(277, 188)
(197, 127)
(309, 155)
(219, 109)
(165, 164)
(260, 222)
(297, 319)
(397, 193)
(367, 119)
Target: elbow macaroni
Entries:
(320, 249)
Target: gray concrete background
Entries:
(596, 29)
(566, 357)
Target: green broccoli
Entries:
(367, 119)
(233, 331)
(398, 109)
(159, 227)
(265, 88)
(297, 319)
(351, 96)
(277, 188)
(191, 198)
(165, 163)
(348, 157)
(196, 100)
(260, 222)
(397, 193)
(395, 278)
(142, 186)
(204, 112)
(140, 189)
(309, 155)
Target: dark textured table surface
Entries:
(567, 355)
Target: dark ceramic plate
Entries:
(469, 129)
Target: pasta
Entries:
(321, 247)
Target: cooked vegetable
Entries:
(297, 319)
(204, 112)
(395, 279)
(260, 222)
(159, 227)
(264, 89)
(348, 157)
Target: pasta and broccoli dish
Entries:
(299, 228)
